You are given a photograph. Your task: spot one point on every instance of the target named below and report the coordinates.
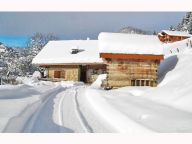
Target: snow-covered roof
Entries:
(120, 43)
(60, 52)
(176, 33)
(160, 34)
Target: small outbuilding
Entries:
(71, 60)
(131, 59)
(172, 36)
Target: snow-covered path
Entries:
(42, 120)
(55, 111)
(38, 112)
(86, 109)
(67, 112)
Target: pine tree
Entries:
(171, 28)
(186, 23)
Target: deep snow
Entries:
(39, 106)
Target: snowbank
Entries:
(27, 80)
(177, 47)
(176, 87)
(13, 101)
(68, 84)
(98, 82)
(37, 74)
(103, 116)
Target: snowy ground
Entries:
(38, 106)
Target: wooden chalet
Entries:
(71, 60)
(172, 36)
(131, 59)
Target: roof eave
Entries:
(132, 56)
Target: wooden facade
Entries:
(86, 73)
(130, 70)
(170, 38)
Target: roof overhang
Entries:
(132, 56)
(63, 64)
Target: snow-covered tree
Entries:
(35, 44)
(19, 61)
(38, 41)
(171, 28)
(186, 23)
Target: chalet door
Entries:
(57, 74)
(83, 73)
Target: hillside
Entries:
(133, 30)
(175, 71)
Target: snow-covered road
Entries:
(67, 112)
(56, 110)
(36, 116)
(79, 109)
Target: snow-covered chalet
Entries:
(71, 60)
(131, 59)
(172, 36)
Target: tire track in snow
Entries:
(42, 120)
(66, 111)
(80, 114)
(26, 119)
(60, 106)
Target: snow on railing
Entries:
(177, 47)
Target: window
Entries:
(132, 82)
(57, 74)
(147, 83)
(151, 84)
(137, 82)
(142, 83)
